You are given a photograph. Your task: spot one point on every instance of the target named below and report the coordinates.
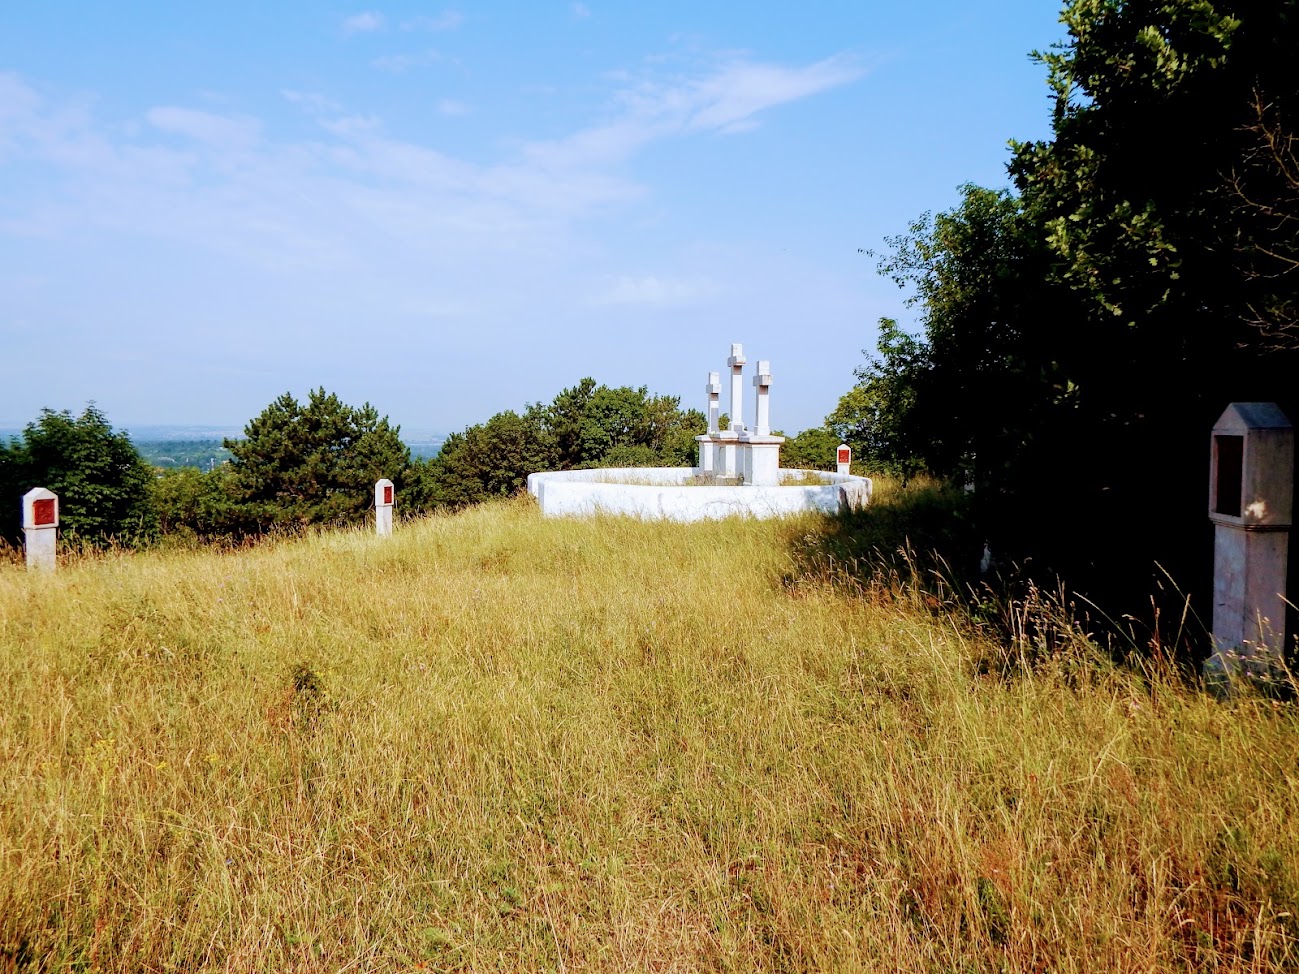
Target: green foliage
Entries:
(812, 449)
(1081, 337)
(587, 425)
(490, 459)
(1150, 103)
(102, 482)
(587, 421)
(313, 464)
(200, 504)
(876, 416)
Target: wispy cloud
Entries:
(353, 194)
(219, 131)
(364, 23)
(652, 290)
(398, 63)
(727, 100)
(446, 20)
(312, 101)
(580, 10)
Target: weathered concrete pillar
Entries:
(843, 458)
(736, 363)
(1251, 489)
(383, 504)
(762, 411)
(41, 529)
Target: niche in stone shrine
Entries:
(1251, 467)
(1229, 464)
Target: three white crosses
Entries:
(761, 381)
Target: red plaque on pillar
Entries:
(387, 493)
(845, 455)
(43, 512)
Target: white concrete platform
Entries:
(662, 493)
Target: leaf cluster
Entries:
(587, 425)
(102, 482)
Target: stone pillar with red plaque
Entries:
(41, 529)
(383, 504)
(843, 458)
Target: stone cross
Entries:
(383, 503)
(40, 528)
(737, 362)
(843, 458)
(762, 414)
(714, 390)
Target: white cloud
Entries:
(653, 290)
(363, 23)
(219, 131)
(16, 97)
(353, 196)
(446, 20)
(727, 100)
(581, 10)
(397, 63)
(313, 102)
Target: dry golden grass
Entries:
(496, 742)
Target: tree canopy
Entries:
(586, 425)
(313, 463)
(102, 482)
(1079, 336)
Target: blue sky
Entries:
(453, 210)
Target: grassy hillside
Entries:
(494, 742)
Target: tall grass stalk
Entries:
(497, 742)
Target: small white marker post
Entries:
(843, 458)
(383, 503)
(41, 528)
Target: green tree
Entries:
(491, 459)
(1081, 336)
(200, 504)
(586, 425)
(1161, 110)
(588, 421)
(812, 449)
(877, 416)
(313, 463)
(104, 486)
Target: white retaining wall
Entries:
(661, 493)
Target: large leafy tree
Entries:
(1161, 110)
(103, 483)
(1081, 336)
(313, 462)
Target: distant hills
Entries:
(170, 445)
